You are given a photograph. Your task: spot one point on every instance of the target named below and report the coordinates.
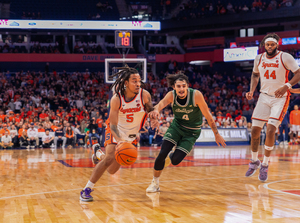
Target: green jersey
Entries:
(188, 115)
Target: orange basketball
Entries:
(126, 154)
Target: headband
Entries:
(271, 39)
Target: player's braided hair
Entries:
(271, 35)
(122, 76)
(172, 78)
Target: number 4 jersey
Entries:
(188, 115)
(274, 71)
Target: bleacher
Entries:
(69, 10)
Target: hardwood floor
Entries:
(208, 186)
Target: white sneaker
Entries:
(153, 187)
(85, 146)
(28, 148)
(281, 144)
(52, 145)
(63, 147)
(286, 143)
(32, 148)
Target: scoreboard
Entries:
(123, 39)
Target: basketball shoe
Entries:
(253, 166)
(85, 195)
(153, 187)
(263, 173)
(97, 153)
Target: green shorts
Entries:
(183, 138)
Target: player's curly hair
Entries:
(122, 76)
(172, 78)
(270, 35)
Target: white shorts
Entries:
(295, 128)
(268, 107)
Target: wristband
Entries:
(288, 85)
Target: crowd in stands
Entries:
(90, 48)
(31, 15)
(197, 9)
(39, 109)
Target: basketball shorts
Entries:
(183, 138)
(109, 138)
(268, 107)
(295, 128)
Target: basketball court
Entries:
(208, 186)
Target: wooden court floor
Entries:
(209, 186)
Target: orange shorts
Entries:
(109, 138)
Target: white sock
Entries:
(254, 156)
(89, 184)
(156, 180)
(266, 161)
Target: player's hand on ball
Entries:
(220, 140)
(281, 91)
(249, 95)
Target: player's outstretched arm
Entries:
(114, 117)
(149, 107)
(295, 90)
(199, 100)
(168, 99)
(253, 85)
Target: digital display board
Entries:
(240, 54)
(78, 25)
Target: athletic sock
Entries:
(266, 161)
(254, 156)
(89, 184)
(156, 180)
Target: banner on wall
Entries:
(79, 25)
(240, 54)
(230, 135)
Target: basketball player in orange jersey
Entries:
(271, 68)
(129, 107)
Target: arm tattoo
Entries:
(213, 126)
(115, 129)
(149, 105)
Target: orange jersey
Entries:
(2, 132)
(295, 117)
(20, 132)
(99, 122)
(54, 128)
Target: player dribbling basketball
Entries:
(129, 107)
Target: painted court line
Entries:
(279, 191)
(170, 181)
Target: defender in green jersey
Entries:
(188, 105)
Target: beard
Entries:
(272, 53)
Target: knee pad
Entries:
(269, 148)
(274, 122)
(258, 123)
